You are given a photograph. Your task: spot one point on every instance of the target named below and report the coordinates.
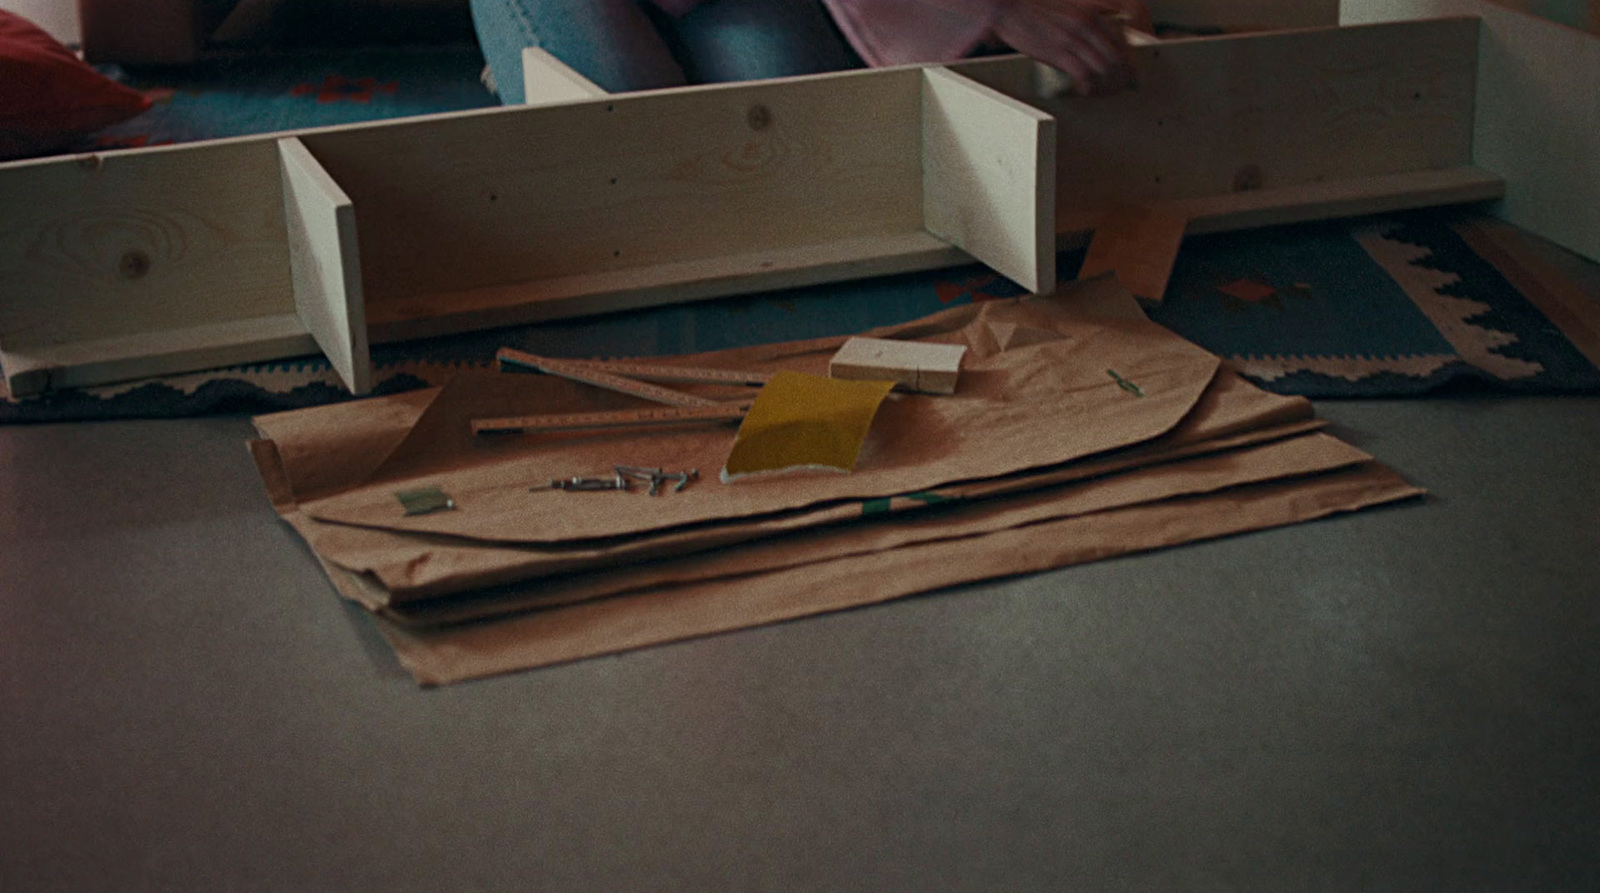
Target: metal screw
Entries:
(583, 484)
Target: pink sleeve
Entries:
(900, 32)
(677, 7)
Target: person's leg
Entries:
(741, 40)
(614, 43)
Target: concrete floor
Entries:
(1404, 699)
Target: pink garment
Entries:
(901, 32)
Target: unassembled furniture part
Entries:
(911, 365)
(160, 260)
(135, 263)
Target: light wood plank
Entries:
(445, 313)
(37, 369)
(988, 184)
(547, 80)
(911, 365)
(98, 247)
(1537, 117)
(1342, 198)
(325, 264)
(631, 181)
(1310, 201)
(1214, 116)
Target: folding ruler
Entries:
(626, 378)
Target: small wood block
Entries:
(911, 365)
(1139, 245)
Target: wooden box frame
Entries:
(141, 262)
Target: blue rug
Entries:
(1390, 306)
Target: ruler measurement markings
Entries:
(628, 418)
(633, 370)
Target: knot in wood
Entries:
(134, 264)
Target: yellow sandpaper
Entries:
(805, 421)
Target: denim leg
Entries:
(741, 40)
(614, 43)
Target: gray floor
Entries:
(1407, 698)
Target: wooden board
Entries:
(1216, 116)
(1537, 119)
(911, 365)
(1309, 201)
(519, 195)
(443, 313)
(988, 177)
(987, 163)
(325, 264)
(98, 249)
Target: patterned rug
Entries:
(1389, 306)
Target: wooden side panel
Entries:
(527, 194)
(1343, 198)
(988, 165)
(100, 246)
(96, 248)
(1538, 116)
(325, 264)
(1214, 116)
(547, 80)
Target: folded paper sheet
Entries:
(457, 653)
(1231, 414)
(1068, 449)
(1049, 402)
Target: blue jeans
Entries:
(625, 45)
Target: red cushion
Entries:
(48, 96)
